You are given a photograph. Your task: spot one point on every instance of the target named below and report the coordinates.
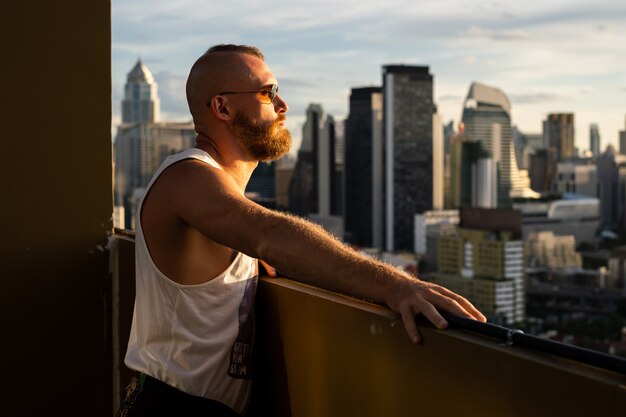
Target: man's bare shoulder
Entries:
(189, 186)
(193, 172)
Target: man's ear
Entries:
(220, 108)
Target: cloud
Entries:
(171, 90)
(494, 34)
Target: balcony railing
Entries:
(324, 354)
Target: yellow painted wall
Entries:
(323, 355)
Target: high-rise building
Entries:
(364, 168)
(438, 163)
(622, 139)
(612, 188)
(576, 176)
(313, 189)
(283, 171)
(408, 128)
(559, 132)
(487, 119)
(473, 174)
(142, 142)
(141, 101)
(594, 140)
(326, 164)
(448, 134)
(262, 185)
(542, 169)
(303, 187)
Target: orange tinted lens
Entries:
(265, 96)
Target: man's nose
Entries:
(280, 105)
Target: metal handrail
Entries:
(515, 337)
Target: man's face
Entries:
(265, 140)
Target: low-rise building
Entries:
(484, 261)
(544, 249)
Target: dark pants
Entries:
(149, 397)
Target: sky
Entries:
(547, 56)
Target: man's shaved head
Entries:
(220, 68)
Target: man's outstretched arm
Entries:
(208, 200)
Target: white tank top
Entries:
(197, 338)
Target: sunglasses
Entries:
(266, 95)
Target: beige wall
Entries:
(56, 205)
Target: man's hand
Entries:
(410, 298)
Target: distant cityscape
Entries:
(526, 226)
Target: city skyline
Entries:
(547, 58)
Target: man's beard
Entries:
(265, 142)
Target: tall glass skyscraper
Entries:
(363, 168)
(408, 137)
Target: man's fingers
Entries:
(467, 308)
(271, 271)
(430, 312)
(408, 318)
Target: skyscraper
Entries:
(141, 101)
(313, 187)
(473, 174)
(142, 142)
(364, 168)
(408, 128)
(303, 187)
(594, 140)
(560, 134)
(612, 187)
(622, 139)
(438, 163)
(542, 168)
(262, 185)
(487, 119)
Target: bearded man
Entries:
(198, 240)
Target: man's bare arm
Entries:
(209, 201)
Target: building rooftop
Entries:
(140, 74)
(484, 94)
